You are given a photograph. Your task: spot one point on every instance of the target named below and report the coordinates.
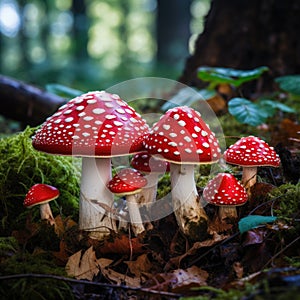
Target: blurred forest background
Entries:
(94, 44)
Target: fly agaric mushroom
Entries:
(96, 126)
(183, 138)
(41, 194)
(129, 182)
(251, 152)
(227, 192)
(151, 168)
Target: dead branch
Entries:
(26, 103)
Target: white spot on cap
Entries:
(70, 119)
(181, 123)
(98, 111)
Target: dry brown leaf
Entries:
(62, 255)
(216, 238)
(122, 245)
(83, 266)
(141, 265)
(179, 280)
(189, 278)
(115, 277)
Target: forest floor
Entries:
(259, 259)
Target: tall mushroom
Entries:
(183, 138)
(225, 191)
(129, 182)
(151, 168)
(41, 194)
(96, 126)
(251, 152)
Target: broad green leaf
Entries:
(247, 112)
(253, 221)
(63, 90)
(188, 96)
(229, 76)
(289, 83)
(276, 105)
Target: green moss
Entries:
(286, 201)
(33, 287)
(21, 166)
(233, 130)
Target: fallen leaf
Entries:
(216, 238)
(141, 265)
(116, 277)
(83, 266)
(189, 278)
(122, 245)
(179, 280)
(30, 230)
(62, 255)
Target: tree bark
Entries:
(26, 103)
(245, 34)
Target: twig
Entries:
(91, 283)
(281, 251)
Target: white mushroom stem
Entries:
(134, 213)
(249, 177)
(46, 213)
(190, 215)
(96, 172)
(227, 212)
(150, 190)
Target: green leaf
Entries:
(188, 96)
(247, 112)
(271, 104)
(229, 76)
(289, 83)
(253, 221)
(63, 90)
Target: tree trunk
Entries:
(172, 32)
(245, 34)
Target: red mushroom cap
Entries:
(127, 181)
(225, 189)
(145, 162)
(94, 124)
(251, 151)
(182, 136)
(40, 193)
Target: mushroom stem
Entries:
(46, 213)
(227, 212)
(96, 172)
(191, 216)
(134, 213)
(150, 190)
(249, 177)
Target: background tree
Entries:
(245, 34)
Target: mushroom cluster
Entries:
(182, 138)
(96, 126)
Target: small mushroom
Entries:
(152, 168)
(251, 152)
(182, 138)
(225, 191)
(41, 194)
(129, 182)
